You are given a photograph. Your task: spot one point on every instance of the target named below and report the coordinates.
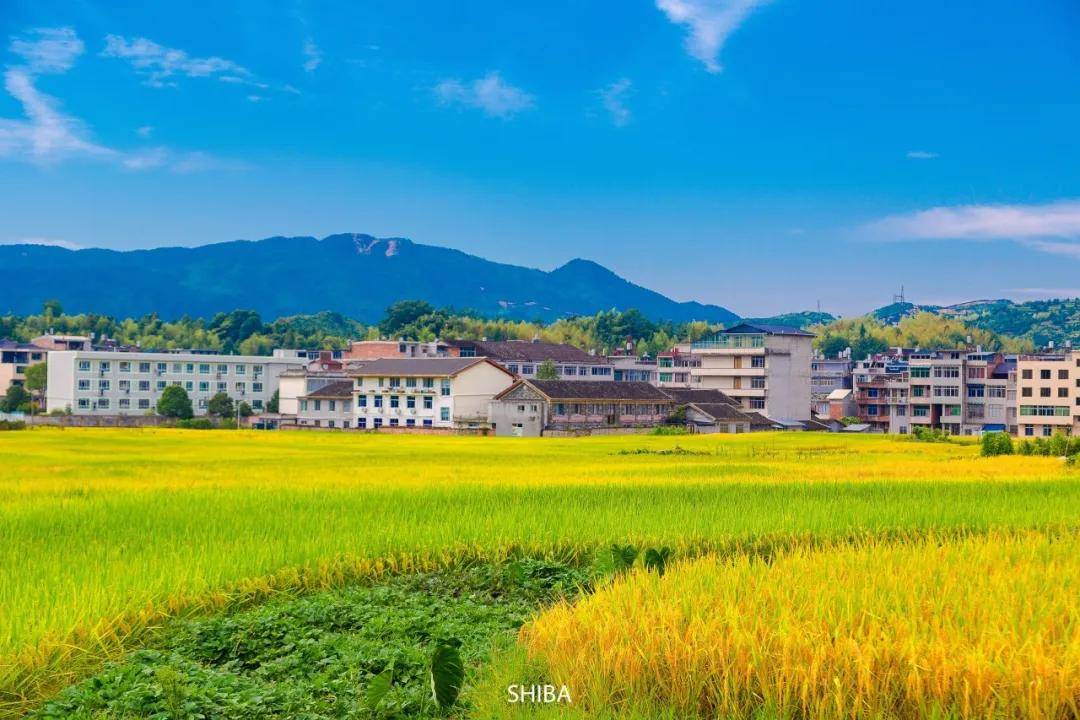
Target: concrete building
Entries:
(675, 367)
(711, 411)
(1048, 394)
(827, 375)
(881, 391)
(523, 357)
(376, 349)
(96, 382)
(426, 392)
(765, 367)
(633, 368)
(63, 342)
(989, 393)
(15, 357)
(530, 408)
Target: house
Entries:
(447, 392)
(633, 368)
(15, 357)
(840, 404)
(531, 407)
(1048, 394)
(765, 367)
(827, 375)
(675, 367)
(375, 349)
(711, 411)
(99, 382)
(329, 406)
(523, 358)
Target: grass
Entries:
(106, 533)
(981, 627)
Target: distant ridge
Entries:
(354, 274)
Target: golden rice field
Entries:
(105, 533)
(980, 627)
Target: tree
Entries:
(36, 379)
(547, 371)
(221, 405)
(402, 313)
(275, 399)
(15, 398)
(52, 309)
(245, 410)
(175, 403)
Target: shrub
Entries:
(924, 434)
(195, 424)
(175, 403)
(996, 443)
(670, 430)
(1058, 445)
(12, 425)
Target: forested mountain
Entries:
(357, 276)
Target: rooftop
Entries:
(579, 390)
(766, 329)
(699, 397)
(528, 351)
(338, 389)
(404, 367)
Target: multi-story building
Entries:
(633, 368)
(63, 342)
(15, 357)
(1048, 394)
(375, 349)
(827, 375)
(532, 407)
(675, 367)
(765, 367)
(937, 389)
(96, 382)
(881, 393)
(524, 357)
(989, 393)
(426, 392)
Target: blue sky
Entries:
(766, 156)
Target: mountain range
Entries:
(353, 274)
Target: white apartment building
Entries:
(1048, 394)
(765, 367)
(448, 392)
(98, 382)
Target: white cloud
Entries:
(159, 64)
(47, 134)
(49, 242)
(145, 131)
(1051, 227)
(313, 56)
(491, 94)
(710, 23)
(613, 98)
(48, 50)
(921, 155)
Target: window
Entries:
(204, 368)
(395, 382)
(84, 384)
(256, 387)
(144, 367)
(318, 405)
(512, 367)
(757, 361)
(124, 385)
(103, 404)
(189, 385)
(920, 372)
(394, 401)
(920, 411)
(144, 386)
(222, 369)
(1044, 374)
(84, 366)
(410, 402)
(377, 400)
(222, 386)
(204, 386)
(125, 366)
(757, 383)
(527, 369)
(445, 387)
(1063, 392)
(976, 391)
(410, 422)
(1047, 431)
(428, 400)
(144, 404)
(757, 403)
(161, 384)
(378, 423)
(444, 413)
(103, 384)
(571, 370)
(84, 403)
(303, 406)
(1045, 410)
(162, 367)
(410, 382)
(393, 422)
(241, 387)
(1029, 430)
(665, 377)
(946, 372)
(1063, 374)
(256, 404)
(1026, 374)
(106, 366)
(1044, 392)
(600, 371)
(241, 369)
(427, 422)
(996, 391)
(429, 383)
(124, 404)
(361, 423)
(361, 401)
(189, 368)
(257, 369)
(1025, 392)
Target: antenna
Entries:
(899, 297)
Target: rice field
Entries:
(980, 627)
(105, 533)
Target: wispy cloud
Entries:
(46, 135)
(145, 131)
(1051, 227)
(709, 24)
(490, 94)
(48, 242)
(613, 97)
(48, 50)
(921, 155)
(312, 55)
(160, 65)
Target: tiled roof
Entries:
(698, 396)
(6, 344)
(722, 411)
(339, 389)
(766, 329)
(579, 390)
(404, 367)
(526, 351)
